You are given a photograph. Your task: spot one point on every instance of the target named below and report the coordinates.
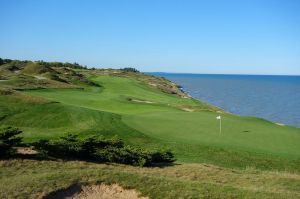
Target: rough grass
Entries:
(32, 179)
(36, 68)
(22, 75)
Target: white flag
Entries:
(218, 117)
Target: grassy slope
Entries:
(193, 136)
(114, 97)
(50, 120)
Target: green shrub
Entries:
(162, 156)
(9, 139)
(44, 147)
(100, 149)
(72, 147)
(125, 155)
(66, 147)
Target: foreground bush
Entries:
(9, 139)
(101, 150)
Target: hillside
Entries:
(46, 100)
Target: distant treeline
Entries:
(129, 69)
(61, 64)
(47, 64)
(5, 61)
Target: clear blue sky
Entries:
(237, 37)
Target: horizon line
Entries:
(246, 74)
(196, 73)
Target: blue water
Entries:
(275, 98)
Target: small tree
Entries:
(129, 69)
(9, 139)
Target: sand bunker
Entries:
(26, 151)
(101, 191)
(107, 192)
(188, 109)
(39, 77)
(142, 101)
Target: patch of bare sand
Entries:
(152, 84)
(26, 151)
(142, 101)
(188, 109)
(39, 77)
(101, 191)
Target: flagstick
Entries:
(220, 126)
(220, 118)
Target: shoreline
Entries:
(224, 110)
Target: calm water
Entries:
(275, 98)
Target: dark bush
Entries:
(60, 64)
(125, 155)
(162, 156)
(9, 139)
(44, 147)
(5, 61)
(72, 147)
(66, 147)
(101, 150)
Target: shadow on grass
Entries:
(39, 157)
(64, 193)
(164, 164)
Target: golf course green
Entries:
(50, 100)
(158, 118)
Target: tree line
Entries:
(61, 64)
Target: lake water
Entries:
(275, 98)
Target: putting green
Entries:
(238, 133)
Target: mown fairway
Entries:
(157, 119)
(114, 97)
